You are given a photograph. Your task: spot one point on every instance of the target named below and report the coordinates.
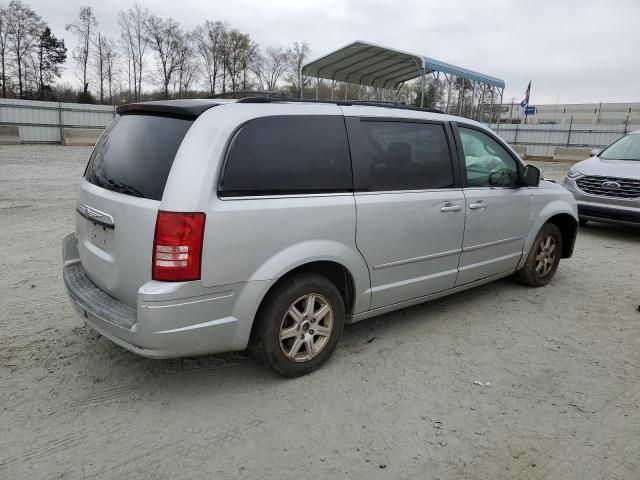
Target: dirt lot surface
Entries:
(397, 401)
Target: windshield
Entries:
(627, 148)
(135, 154)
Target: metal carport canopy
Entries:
(377, 66)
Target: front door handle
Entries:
(450, 207)
(479, 205)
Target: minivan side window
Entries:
(296, 154)
(402, 155)
(488, 163)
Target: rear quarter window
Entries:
(288, 155)
(135, 154)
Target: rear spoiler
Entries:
(183, 108)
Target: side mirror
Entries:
(531, 177)
(594, 152)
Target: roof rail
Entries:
(345, 103)
(240, 94)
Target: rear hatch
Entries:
(120, 196)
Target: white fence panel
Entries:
(541, 140)
(42, 122)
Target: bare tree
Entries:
(209, 41)
(110, 56)
(247, 57)
(23, 31)
(83, 28)
(169, 46)
(237, 51)
(296, 56)
(188, 65)
(100, 63)
(133, 32)
(3, 48)
(269, 67)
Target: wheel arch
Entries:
(568, 227)
(562, 216)
(335, 272)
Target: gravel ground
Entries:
(398, 399)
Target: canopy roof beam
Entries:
(376, 66)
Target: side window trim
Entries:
(356, 148)
(460, 153)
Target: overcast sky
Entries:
(579, 51)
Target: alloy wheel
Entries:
(306, 327)
(546, 255)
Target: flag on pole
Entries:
(525, 103)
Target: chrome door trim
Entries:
(231, 198)
(491, 244)
(417, 259)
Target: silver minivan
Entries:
(205, 226)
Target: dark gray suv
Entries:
(607, 185)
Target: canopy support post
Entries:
(500, 110)
(422, 79)
(473, 97)
(449, 78)
(491, 110)
(346, 91)
(461, 97)
(317, 87)
(300, 82)
(333, 83)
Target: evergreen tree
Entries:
(51, 54)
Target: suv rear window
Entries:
(287, 155)
(135, 154)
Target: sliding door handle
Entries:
(479, 205)
(449, 207)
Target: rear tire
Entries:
(543, 259)
(298, 325)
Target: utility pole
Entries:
(511, 110)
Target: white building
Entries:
(577, 113)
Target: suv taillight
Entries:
(177, 246)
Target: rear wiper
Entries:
(123, 187)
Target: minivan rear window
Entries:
(135, 154)
(279, 155)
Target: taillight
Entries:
(177, 246)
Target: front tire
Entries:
(298, 325)
(543, 259)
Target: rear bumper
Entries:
(171, 319)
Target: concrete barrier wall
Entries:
(81, 136)
(574, 154)
(9, 135)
